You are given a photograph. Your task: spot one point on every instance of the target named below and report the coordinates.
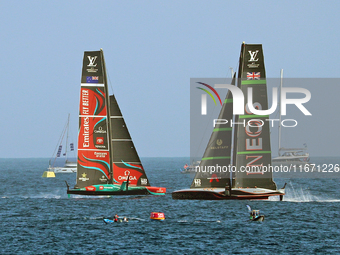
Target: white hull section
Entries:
(63, 169)
(303, 160)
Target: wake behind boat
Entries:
(108, 163)
(251, 143)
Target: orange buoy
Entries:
(157, 216)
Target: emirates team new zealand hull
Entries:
(108, 163)
(116, 190)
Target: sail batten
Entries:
(90, 149)
(93, 116)
(247, 82)
(221, 129)
(253, 116)
(253, 152)
(130, 162)
(210, 158)
(92, 85)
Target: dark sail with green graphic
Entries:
(253, 136)
(108, 163)
(213, 169)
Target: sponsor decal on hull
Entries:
(90, 188)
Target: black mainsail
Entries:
(108, 163)
(125, 160)
(251, 143)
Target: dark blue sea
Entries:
(37, 217)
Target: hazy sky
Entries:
(152, 49)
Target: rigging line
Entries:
(276, 114)
(205, 130)
(68, 126)
(108, 75)
(206, 127)
(72, 141)
(204, 133)
(60, 140)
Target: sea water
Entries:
(37, 217)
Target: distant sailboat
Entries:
(251, 143)
(108, 163)
(287, 156)
(68, 167)
(190, 169)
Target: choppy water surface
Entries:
(37, 217)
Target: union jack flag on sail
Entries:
(253, 75)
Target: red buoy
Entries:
(157, 216)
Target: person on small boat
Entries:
(115, 218)
(254, 214)
(125, 219)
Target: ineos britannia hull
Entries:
(222, 194)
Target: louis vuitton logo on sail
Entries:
(253, 59)
(253, 55)
(92, 64)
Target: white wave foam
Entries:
(46, 195)
(302, 195)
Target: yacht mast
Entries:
(68, 123)
(280, 112)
